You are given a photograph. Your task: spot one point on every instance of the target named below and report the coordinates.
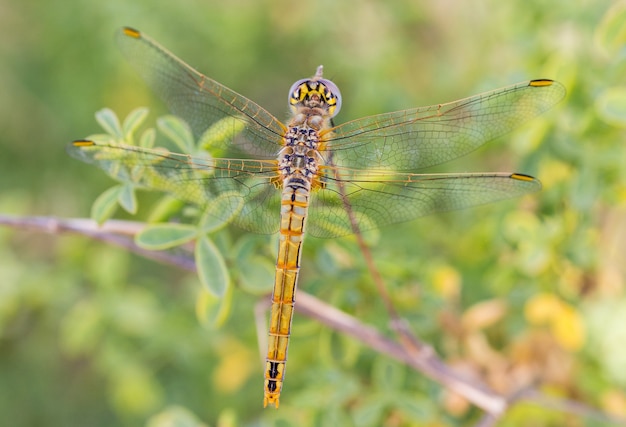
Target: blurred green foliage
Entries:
(520, 290)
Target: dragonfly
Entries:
(308, 175)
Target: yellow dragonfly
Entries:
(310, 175)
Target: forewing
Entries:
(201, 101)
(421, 137)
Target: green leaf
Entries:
(247, 246)
(611, 33)
(101, 137)
(418, 409)
(110, 123)
(388, 375)
(165, 208)
(178, 131)
(219, 134)
(147, 138)
(256, 275)
(221, 211)
(165, 236)
(132, 122)
(211, 267)
(106, 204)
(611, 106)
(128, 199)
(338, 349)
(212, 311)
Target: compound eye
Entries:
(332, 96)
(296, 94)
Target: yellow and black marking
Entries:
(522, 177)
(131, 32)
(314, 91)
(83, 143)
(541, 83)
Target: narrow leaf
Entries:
(178, 131)
(147, 138)
(611, 33)
(611, 106)
(164, 209)
(128, 199)
(132, 122)
(211, 267)
(110, 123)
(257, 275)
(106, 204)
(213, 311)
(165, 236)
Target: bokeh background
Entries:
(528, 291)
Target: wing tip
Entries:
(527, 178)
(131, 32)
(523, 177)
(541, 82)
(83, 143)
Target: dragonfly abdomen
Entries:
(294, 207)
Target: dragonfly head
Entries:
(315, 92)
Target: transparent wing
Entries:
(421, 137)
(378, 199)
(201, 101)
(227, 187)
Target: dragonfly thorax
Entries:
(300, 155)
